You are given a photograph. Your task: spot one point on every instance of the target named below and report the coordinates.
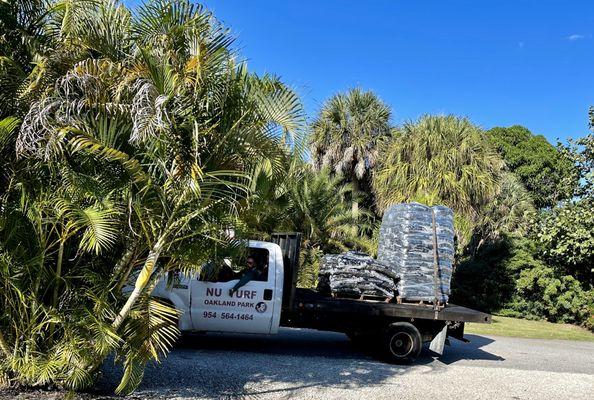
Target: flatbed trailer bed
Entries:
(310, 301)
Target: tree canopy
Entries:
(546, 172)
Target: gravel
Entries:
(304, 364)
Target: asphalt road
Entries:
(303, 364)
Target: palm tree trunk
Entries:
(355, 203)
(4, 346)
(141, 282)
(58, 274)
(124, 267)
(125, 260)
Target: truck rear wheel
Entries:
(401, 343)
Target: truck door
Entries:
(251, 309)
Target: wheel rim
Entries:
(401, 344)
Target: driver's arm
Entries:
(247, 276)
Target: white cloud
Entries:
(575, 37)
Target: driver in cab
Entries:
(251, 273)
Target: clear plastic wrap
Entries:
(406, 244)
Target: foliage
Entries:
(55, 321)
(543, 292)
(8, 131)
(346, 135)
(486, 279)
(318, 210)
(22, 38)
(511, 211)
(548, 175)
(313, 203)
(581, 152)
(508, 277)
(140, 138)
(567, 235)
(590, 321)
(309, 266)
(440, 160)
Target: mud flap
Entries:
(438, 343)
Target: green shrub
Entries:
(508, 278)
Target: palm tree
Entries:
(346, 135)
(317, 208)
(23, 37)
(310, 202)
(440, 160)
(147, 132)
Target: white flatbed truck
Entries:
(262, 306)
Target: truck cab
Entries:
(207, 304)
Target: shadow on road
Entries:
(467, 351)
(230, 366)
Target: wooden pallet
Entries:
(400, 300)
(384, 299)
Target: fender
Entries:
(185, 320)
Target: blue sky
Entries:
(497, 62)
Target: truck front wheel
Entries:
(401, 343)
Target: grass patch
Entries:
(505, 326)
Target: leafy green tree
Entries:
(544, 293)
(540, 265)
(581, 152)
(487, 278)
(345, 137)
(548, 175)
(567, 236)
(440, 160)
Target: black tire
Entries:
(401, 343)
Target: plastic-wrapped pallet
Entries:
(355, 274)
(407, 245)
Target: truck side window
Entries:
(261, 257)
(217, 273)
(234, 269)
